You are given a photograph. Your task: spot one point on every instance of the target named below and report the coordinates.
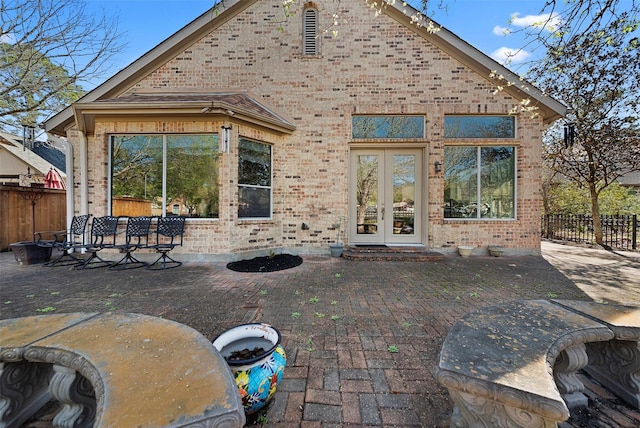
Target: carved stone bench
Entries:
(114, 370)
(515, 364)
(615, 363)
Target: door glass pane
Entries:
(404, 194)
(367, 194)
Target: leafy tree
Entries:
(595, 74)
(48, 48)
(566, 198)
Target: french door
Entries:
(385, 196)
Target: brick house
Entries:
(267, 137)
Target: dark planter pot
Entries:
(29, 253)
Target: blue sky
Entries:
(146, 23)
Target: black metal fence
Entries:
(619, 231)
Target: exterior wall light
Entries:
(438, 166)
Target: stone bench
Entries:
(114, 370)
(515, 364)
(615, 363)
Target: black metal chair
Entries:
(65, 241)
(103, 235)
(136, 236)
(169, 233)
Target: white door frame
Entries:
(379, 228)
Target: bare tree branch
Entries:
(48, 49)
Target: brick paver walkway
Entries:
(362, 337)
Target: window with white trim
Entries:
(479, 182)
(310, 32)
(254, 179)
(151, 174)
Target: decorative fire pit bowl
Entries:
(256, 359)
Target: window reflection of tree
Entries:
(460, 166)
(134, 161)
(192, 174)
(254, 179)
(479, 127)
(192, 171)
(390, 127)
(404, 178)
(497, 179)
(367, 185)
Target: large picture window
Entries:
(164, 175)
(254, 179)
(479, 182)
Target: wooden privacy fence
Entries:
(17, 209)
(619, 231)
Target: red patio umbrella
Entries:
(52, 180)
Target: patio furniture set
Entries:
(106, 234)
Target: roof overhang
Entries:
(233, 106)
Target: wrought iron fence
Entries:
(619, 231)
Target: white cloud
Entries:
(501, 31)
(547, 21)
(506, 55)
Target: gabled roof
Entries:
(227, 9)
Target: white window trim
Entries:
(479, 218)
(255, 186)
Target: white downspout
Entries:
(69, 182)
(84, 177)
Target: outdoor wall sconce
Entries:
(225, 140)
(438, 166)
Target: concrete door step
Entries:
(418, 253)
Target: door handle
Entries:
(382, 213)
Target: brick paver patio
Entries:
(362, 337)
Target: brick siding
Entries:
(374, 65)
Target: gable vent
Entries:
(310, 32)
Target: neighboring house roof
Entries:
(51, 154)
(631, 179)
(34, 159)
(226, 10)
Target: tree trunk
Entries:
(595, 212)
